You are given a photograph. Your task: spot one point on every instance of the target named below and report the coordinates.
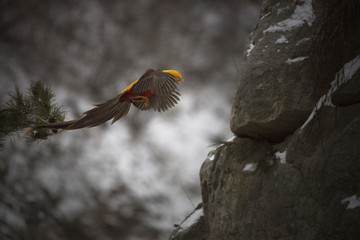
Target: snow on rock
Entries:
(192, 219)
(341, 77)
(302, 15)
(251, 47)
(302, 41)
(211, 157)
(231, 139)
(281, 156)
(281, 40)
(354, 201)
(265, 15)
(294, 60)
(250, 167)
(344, 75)
(212, 153)
(280, 10)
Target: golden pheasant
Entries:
(155, 89)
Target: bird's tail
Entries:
(56, 125)
(101, 113)
(111, 109)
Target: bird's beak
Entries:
(180, 80)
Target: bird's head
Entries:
(175, 73)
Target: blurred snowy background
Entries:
(137, 178)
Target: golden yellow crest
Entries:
(175, 73)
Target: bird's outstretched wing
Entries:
(163, 85)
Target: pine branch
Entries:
(23, 111)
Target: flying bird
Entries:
(155, 90)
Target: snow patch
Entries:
(251, 47)
(281, 156)
(192, 219)
(354, 201)
(264, 16)
(231, 139)
(341, 77)
(301, 41)
(280, 10)
(344, 75)
(282, 39)
(212, 153)
(294, 60)
(250, 167)
(303, 14)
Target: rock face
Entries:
(303, 200)
(293, 169)
(277, 87)
(197, 231)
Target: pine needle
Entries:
(24, 111)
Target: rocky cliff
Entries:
(292, 171)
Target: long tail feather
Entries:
(101, 113)
(59, 125)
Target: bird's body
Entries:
(155, 89)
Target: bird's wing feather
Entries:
(164, 87)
